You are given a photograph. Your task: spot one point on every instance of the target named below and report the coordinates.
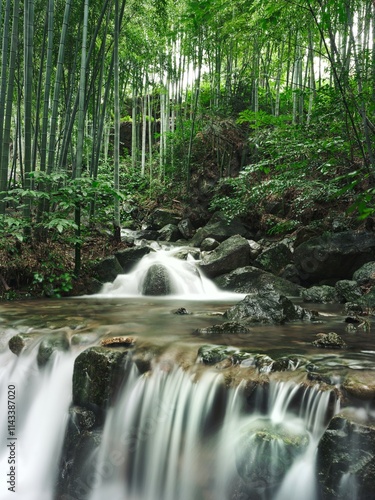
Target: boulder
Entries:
(51, 343)
(320, 294)
(334, 256)
(274, 259)
(348, 291)
(78, 458)
(252, 279)
(346, 459)
(228, 328)
(96, 376)
(19, 342)
(186, 228)
(367, 301)
(266, 307)
(265, 452)
(329, 340)
(365, 275)
(129, 257)
(220, 228)
(185, 252)
(211, 354)
(107, 269)
(255, 249)
(170, 233)
(229, 255)
(209, 244)
(161, 217)
(360, 385)
(156, 281)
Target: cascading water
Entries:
(171, 437)
(162, 273)
(41, 400)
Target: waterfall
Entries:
(162, 273)
(171, 436)
(41, 398)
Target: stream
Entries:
(181, 430)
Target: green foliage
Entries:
(293, 170)
(53, 282)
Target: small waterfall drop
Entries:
(42, 398)
(170, 436)
(161, 273)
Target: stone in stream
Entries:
(329, 340)
(97, 371)
(19, 342)
(107, 269)
(323, 294)
(266, 307)
(156, 281)
(251, 279)
(51, 343)
(186, 228)
(346, 458)
(228, 328)
(265, 453)
(229, 255)
(170, 233)
(129, 257)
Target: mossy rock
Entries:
(18, 342)
(57, 341)
(97, 373)
(265, 452)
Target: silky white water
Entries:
(42, 398)
(185, 280)
(173, 437)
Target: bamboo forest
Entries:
(187, 249)
(107, 108)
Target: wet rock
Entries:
(107, 269)
(122, 341)
(181, 311)
(265, 364)
(266, 307)
(255, 249)
(335, 256)
(57, 341)
(363, 304)
(162, 217)
(290, 273)
(265, 452)
(348, 290)
(365, 275)
(129, 257)
(220, 229)
(156, 281)
(78, 458)
(329, 340)
(170, 232)
(346, 460)
(148, 235)
(186, 228)
(19, 342)
(209, 244)
(323, 294)
(97, 371)
(251, 279)
(211, 354)
(229, 255)
(228, 328)
(274, 259)
(187, 252)
(360, 386)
